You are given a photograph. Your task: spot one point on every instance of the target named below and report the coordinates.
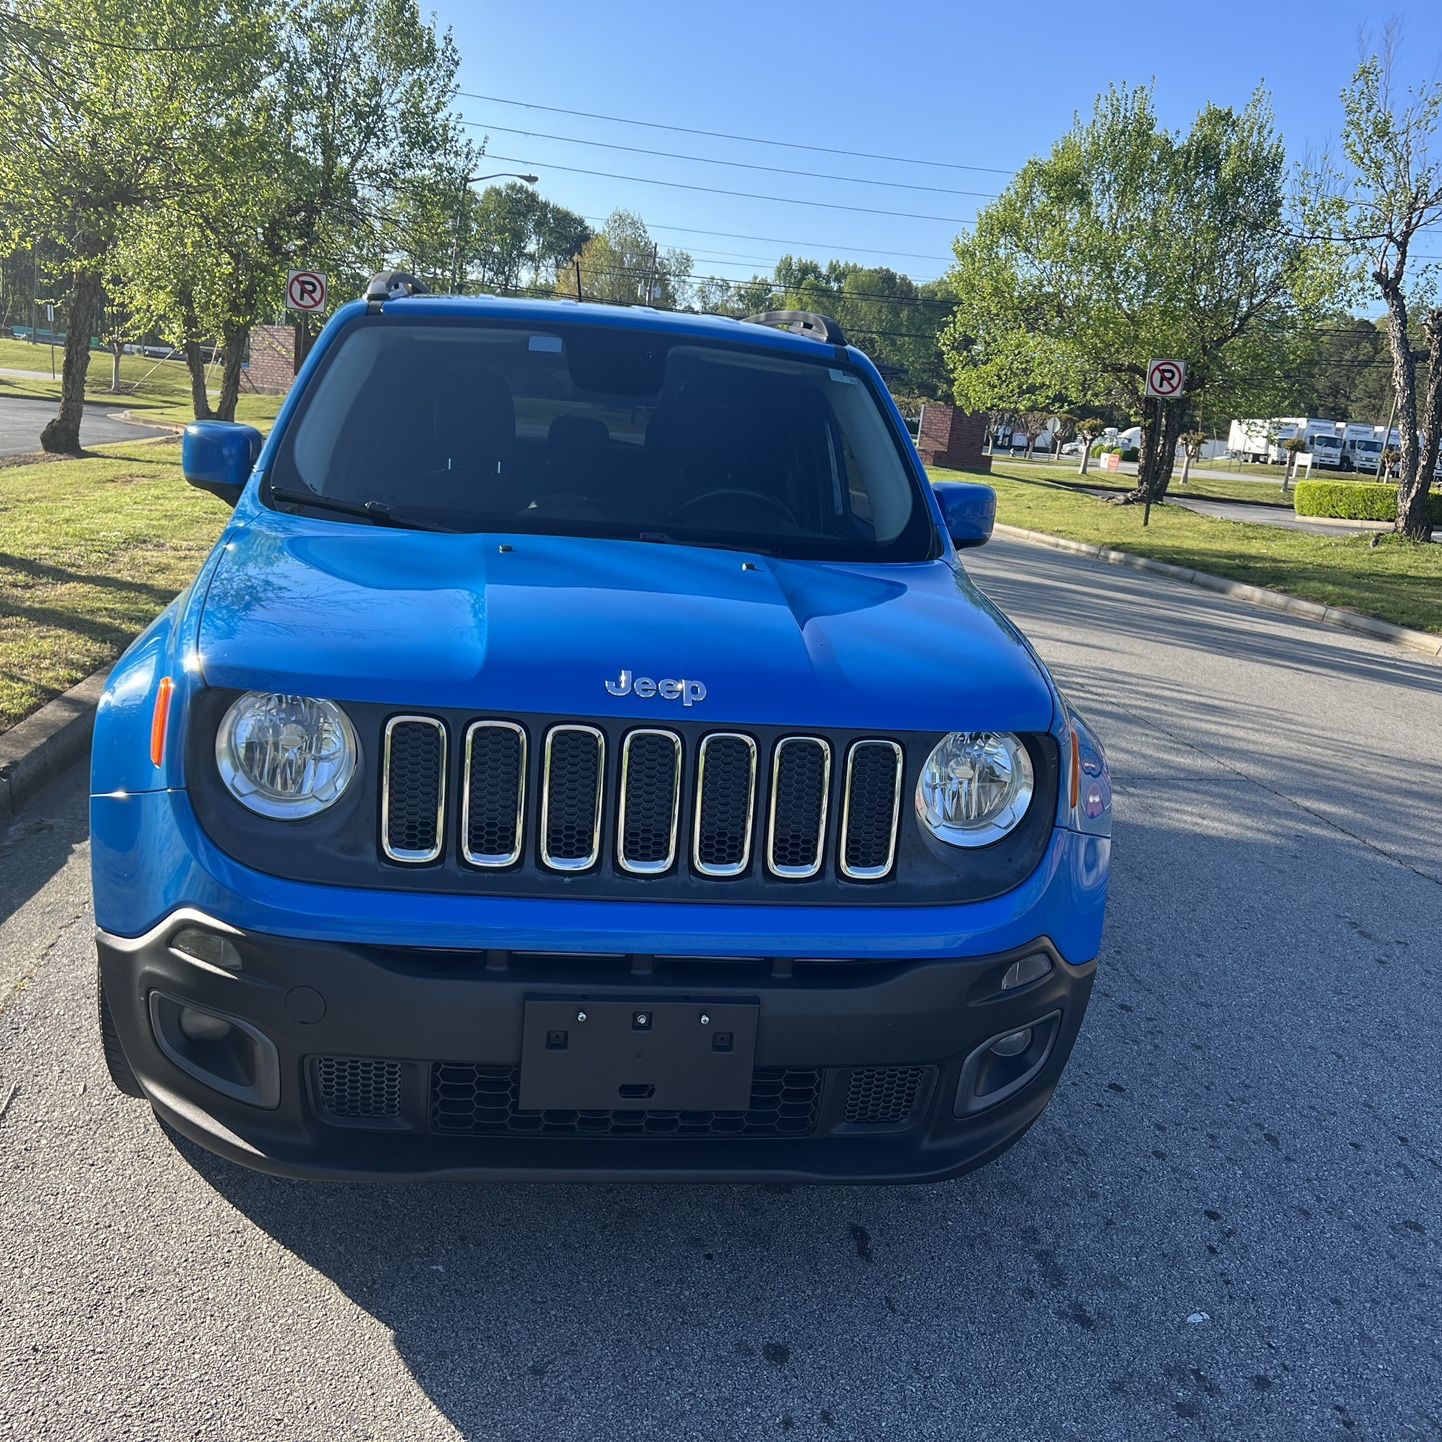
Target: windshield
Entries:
(594, 431)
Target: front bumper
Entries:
(861, 1065)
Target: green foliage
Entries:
(1355, 501)
(622, 265)
(1129, 242)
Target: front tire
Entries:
(115, 1062)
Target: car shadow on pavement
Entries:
(35, 845)
(1232, 1170)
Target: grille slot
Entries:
(725, 805)
(472, 1100)
(494, 796)
(800, 786)
(871, 810)
(413, 800)
(358, 1088)
(571, 798)
(883, 1094)
(650, 802)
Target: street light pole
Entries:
(466, 182)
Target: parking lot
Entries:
(1226, 1225)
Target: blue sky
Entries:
(966, 84)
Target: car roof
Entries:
(560, 311)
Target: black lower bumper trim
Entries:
(400, 1063)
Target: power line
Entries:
(745, 139)
(734, 164)
(776, 240)
(735, 194)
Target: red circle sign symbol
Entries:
(305, 291)
(1166, 378)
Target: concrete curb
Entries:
(43, 745)
(1421, 641)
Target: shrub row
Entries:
(1355, 501)
(1127, 453)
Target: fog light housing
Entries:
(1013, 1044)
(202, 1025)
(1004, 1064)
(219, 1050)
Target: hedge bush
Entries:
(1355, 501)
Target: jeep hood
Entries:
(539, 624)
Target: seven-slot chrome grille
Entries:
(566, 798)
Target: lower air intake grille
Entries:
(482, 1101)
(355, 1087)
(883, 1094)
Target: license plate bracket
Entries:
(637, 1055)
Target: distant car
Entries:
(1072, 448)
(584, 755)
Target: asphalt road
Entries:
(1226, 1226)
(22, 420)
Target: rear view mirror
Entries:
(218, 456)
(968, 510)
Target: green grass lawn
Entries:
(90, 551)
(159, 390)
(1396, 580)
(1201, 488)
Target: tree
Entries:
(1129, 242)
(349, 110)
(516, 241)
(1192, 443)
(1393, 189)
(1033, 423)
(105, 107)
(622, 265)
(1294, 446)
(1088, 429)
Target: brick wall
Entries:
(272, 360)
(952, 438)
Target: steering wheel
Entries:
(772, 503)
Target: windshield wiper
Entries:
(375, 511)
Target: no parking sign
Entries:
(305, 290)
(1165, 379)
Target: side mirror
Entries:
(968, 511)
(218, 456)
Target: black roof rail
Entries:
(802, 322)
(389, 284)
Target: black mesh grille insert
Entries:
(871, 802)
(723, 827)
(573, 782)
(415, 778)
(650, 797)
(481, 1100)
(353, 1086)
(798, 806)
(495, 789)
(883, 1094)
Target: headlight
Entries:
(285, 756)
(975, 787)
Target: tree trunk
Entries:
(1412, 520)
(194, 361)
(1404, 380)
(1187, 467)
(1166, 458)
(117, 349)
(232, 341)
(62, 434)
(1086, 456)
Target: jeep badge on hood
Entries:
(688, 693)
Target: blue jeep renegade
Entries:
(583, 755)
